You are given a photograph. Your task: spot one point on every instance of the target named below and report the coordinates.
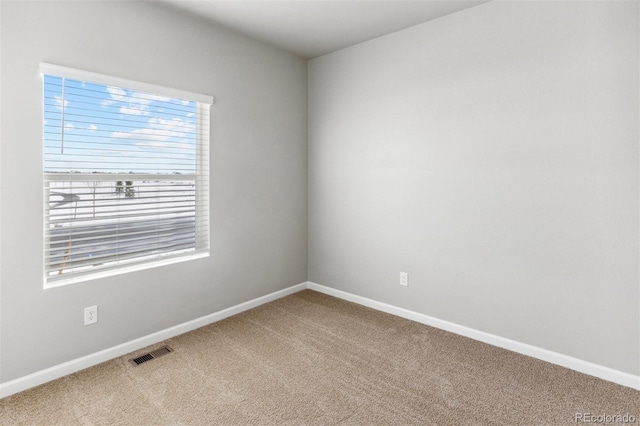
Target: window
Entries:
(126, 175)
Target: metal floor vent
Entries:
(151, 355)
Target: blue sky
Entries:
(113, 130)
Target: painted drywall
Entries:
(493, 155)
(258, 174)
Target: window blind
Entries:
(126, 175)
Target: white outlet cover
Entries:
(90, 315)
(404, 279)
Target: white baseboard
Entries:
(64, 369)
(605, 373)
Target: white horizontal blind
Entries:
(126, 175)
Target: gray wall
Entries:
(258, 174)
(493, 155)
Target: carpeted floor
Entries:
(315, 360)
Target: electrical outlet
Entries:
(90, 315)
(404, 279)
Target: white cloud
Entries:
(116, 94)
(134, 110)
(143, 134)
(150, 97)
(59, 102)
(69, 126)
(176, 126)
(130, 104)
(93, 127)
(160, 130)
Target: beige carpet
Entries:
(315, 360)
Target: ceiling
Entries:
(311, 28)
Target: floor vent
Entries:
(151, 355)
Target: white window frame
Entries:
(202, 244)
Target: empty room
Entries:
(319, 212)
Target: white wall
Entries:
(493, 155)
(258, 174)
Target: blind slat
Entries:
(79, 244)
(100, 254)
(118, 259)
(132, 263)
